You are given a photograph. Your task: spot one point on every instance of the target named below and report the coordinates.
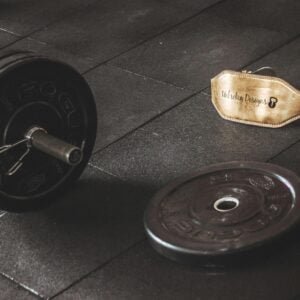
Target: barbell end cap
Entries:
(75, 157)
(39, 138)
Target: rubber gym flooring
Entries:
(149, 63)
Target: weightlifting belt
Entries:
(249, 98)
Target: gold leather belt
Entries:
(250, 98)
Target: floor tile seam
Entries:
(30, 34)
(203, 91)
(25, 37)
(150, 78)
(200, 92)
(185, 99)
(124, 180)
(124, 252)
(9, 32)
(32, 291)
(23, 286)
(2, 213)
(57, 20)
(276, 48)
(152, 37)
(109, 60)
(20, 38)
(104, 171)
(120, 254)
(117, 256)
(283, 150)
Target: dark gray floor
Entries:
(149, 64)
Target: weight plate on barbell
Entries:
(223, 211)
(38, 91)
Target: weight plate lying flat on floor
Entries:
(223, 211)
(38, 91)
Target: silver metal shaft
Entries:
(42, 141)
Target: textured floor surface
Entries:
(149, 63)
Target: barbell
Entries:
(48, 124)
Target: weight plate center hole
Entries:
(226, 204)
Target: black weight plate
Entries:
(223, 211)
(38, 91)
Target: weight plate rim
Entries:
(163, 244)
(13, 57)
(21, 204)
